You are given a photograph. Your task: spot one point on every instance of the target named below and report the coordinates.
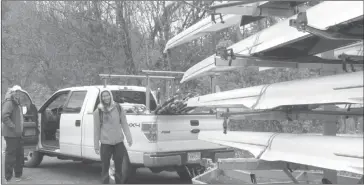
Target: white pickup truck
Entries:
(160, 142)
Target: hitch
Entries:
(213, 17)
(301, 24)
(194, 171)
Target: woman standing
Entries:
(109, 125)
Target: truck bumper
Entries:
(162, 159)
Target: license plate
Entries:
(29, 132)
(194, 156)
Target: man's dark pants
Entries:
(117, 151)
(14, 157)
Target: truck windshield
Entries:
(134, 97)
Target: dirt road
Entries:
(55, 171)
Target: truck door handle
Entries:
(194, 122)
(78, 123)
(195, 131)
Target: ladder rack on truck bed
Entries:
(176, 74)
(105, 77)
(149, 74)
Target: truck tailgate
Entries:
(180, 132)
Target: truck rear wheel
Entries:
(33, 159)
(127, 169)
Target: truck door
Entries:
(71, 124)
(31, 124)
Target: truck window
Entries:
(75, 102)
(59, 101)
(133, 97)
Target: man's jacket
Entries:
(11, 117)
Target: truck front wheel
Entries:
(33, 159)
(127, 169)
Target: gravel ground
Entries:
(54, 171)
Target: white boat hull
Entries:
(340, 89)
(327, 152)
(271, 42)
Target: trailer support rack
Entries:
(227, 57)
(248, 170)
(291, 115)
(301, 24)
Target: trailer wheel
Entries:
(33, 159)
(127, 169)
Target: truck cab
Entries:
(160, 142)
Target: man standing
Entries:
(109, 125)
(12, 118)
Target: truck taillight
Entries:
(150, 130)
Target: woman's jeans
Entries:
(117, 151)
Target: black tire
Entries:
(127, 169)
(33, 159)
